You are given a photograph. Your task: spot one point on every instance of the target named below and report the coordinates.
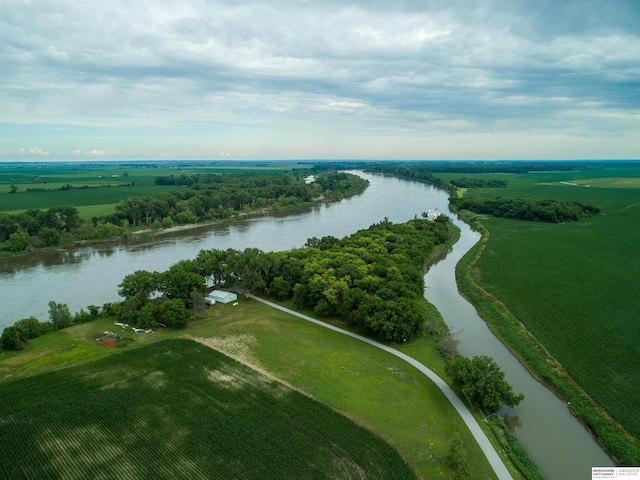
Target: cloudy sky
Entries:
(287, 79)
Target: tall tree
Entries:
(139, 284)
(60, 315)
(483, 382)
(173, 313)
(178, 283)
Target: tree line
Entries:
(372, 279)
(551, 211)
(209, 198)
(15, 337)
(478, 183)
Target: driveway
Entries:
(486, 446)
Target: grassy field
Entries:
(373, 388)
(85, 198)
(575, 286)
(106, 184)
(178, 409)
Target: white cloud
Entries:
(176, 75)
(33, 151)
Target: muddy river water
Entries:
(556, 441)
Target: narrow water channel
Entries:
(90, 275)
(554, 439)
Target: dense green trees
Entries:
(11, 339)
(372, 279)
(140, 285)
(478, 183)
(171, 290)
(179, 282)
(210, 197)
(483, 383)
(15, 337)
(552, 211)
(47, 228)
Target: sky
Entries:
(321, 79)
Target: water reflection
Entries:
(512, 422)
(90, 275)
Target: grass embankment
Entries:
(177, 409)
(564, 297)
(373, 388)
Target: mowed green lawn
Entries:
(373, 388)
(178, 409)
(576, 286)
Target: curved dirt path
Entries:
(490, 452)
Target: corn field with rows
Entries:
(178, 409)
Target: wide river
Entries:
(556, 441)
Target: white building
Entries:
(432, 214)
(221, 296)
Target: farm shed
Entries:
(223, 296)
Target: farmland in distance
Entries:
(178, 409)
(95, 189)
(574, 285)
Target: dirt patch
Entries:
(108, 342)
(237, 347)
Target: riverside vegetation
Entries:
(54, 214)
(561, 293)
(346, 278)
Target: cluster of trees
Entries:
(482, 382)
(168, 310)
(478, 183)
(210, 197)
(39, 227)
(16, 336)
(372, 279)
(466, 166)
(552, 211)
(152, 298)
(166, 297)
(499, 167)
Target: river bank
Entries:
(150, 233)
(621, 447)
(90, 275)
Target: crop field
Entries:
(575, 285)
(377, 390)
(178, 409)
(104, 185)
(84, 197)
